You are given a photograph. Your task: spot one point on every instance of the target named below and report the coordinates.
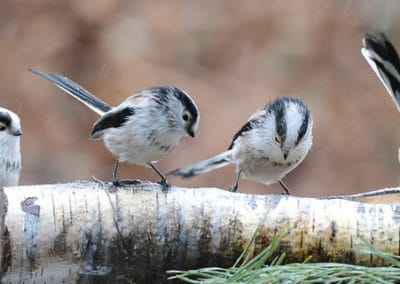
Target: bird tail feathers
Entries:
(384, 60)
(76, 91)
(203, 166)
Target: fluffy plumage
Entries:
(270, 144)
(143, 127)
(10, 155)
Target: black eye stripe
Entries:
(187, 102)
(5, 118)
(303, 127)
(164, 92)
(279, 108)
(280, 120)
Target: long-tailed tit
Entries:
(384, 60)
(143, 127)
(272, 143)
(10, 155)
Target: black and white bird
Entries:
(143, 127)
(10, 155)
(272, 143)
(384, 60)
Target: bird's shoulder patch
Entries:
(112, 119)
(246, 127)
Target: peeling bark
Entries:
(81, 232)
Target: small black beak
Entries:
(18, 133)
(191, 133)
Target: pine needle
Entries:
(262, 269)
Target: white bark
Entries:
(81, 231)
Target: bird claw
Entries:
(165, 185)
(128, 182)
(233, 188)
(122, 183)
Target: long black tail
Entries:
(76, 91)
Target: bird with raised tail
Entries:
(273, 142)
(10, 155)
(141, 129)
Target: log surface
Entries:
(83, 232)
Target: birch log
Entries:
(82, 232)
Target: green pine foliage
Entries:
(265, 268)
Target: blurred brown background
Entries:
(232, 57)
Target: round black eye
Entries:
(186, 116)
(2, 127)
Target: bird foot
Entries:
(233, 188)
(123, 183)
(165, 185)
